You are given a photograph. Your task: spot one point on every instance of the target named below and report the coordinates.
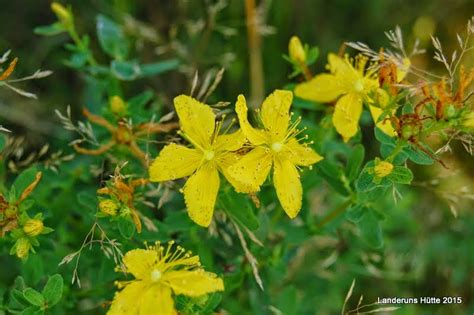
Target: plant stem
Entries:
(257, 89)
(335, 213)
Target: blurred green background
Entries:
(427, 252)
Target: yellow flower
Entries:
(276, 145)
(22, 248)
(33, 227)
(211, 153)
(108, 207)
(296, 50)
(382, 168)
(350, 85)
(159, 272)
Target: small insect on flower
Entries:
(350, 84)
(276, 145)
(159, 272)
(212, 153)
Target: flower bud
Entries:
(63, 14)
(296, 50)
(22, 248)
(108, 207)
(118, 106)
(383, 168)
(468, 120)
(33, 227)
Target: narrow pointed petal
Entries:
(139, 262)
(200, 193)
(322, 88)
(193, 283)
(286, 179)
(275, 113)
(196, 119)
(253, 168)
(157, 300)
(300, 154)
(255, 136)
(175, 161)
(225, 161)
(128, 300)
(346, 115)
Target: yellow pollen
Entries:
(277, 146)
(209, 155)
(359, 86)
(155, 275)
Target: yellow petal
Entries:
(346, 115)
(275, 113)
(253, 168)
(322, 88)
(196, 119)
(255, 136)
(128, 300)
(230, 142)
(157, 300)
(193, 283)
(403, 69)
(339, 65)
(140, 262)
(225, 161)
(288, 186)
(175, 161)
(300, 154)
(384, 125)
(200, 192)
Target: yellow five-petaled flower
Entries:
(159, 272)
(212, 153)
(276, 144)
(350, 85)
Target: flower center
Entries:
(277, 146)
(155, 275)
(209, 155)
(359, 86)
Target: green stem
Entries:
(335, 213)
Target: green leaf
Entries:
(126, 227)
(356, 158)
(288, 301)
(370, 229)
(111, 38)
(156, 68)
(53, 290)
(86, 199)
(365, 182)
(50, 30)
(212, 302)
(334, 176)
(125, 70)
(418, 156)
(401, 175)
(32, 310)
(33, 297)
(356, 212)
(240, 208)
(24, 180)
(141, 99)
(382, 137)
